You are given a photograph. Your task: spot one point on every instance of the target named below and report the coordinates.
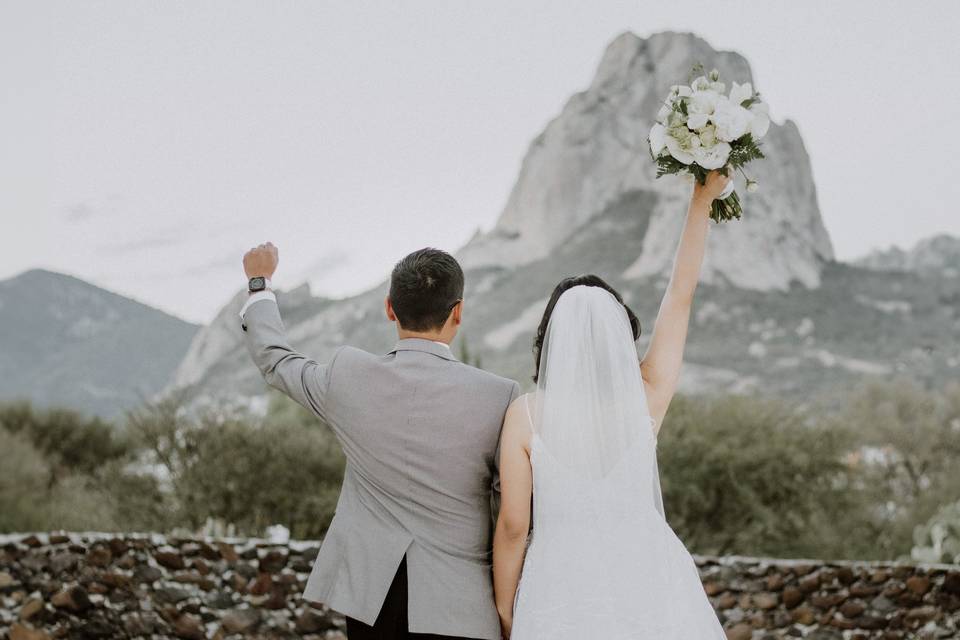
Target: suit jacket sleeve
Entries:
(302, 378)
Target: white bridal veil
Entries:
(590, 404)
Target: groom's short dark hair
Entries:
(424, 288)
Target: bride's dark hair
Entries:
(588, 280)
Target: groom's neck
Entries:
(436, 336)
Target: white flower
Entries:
(740, 92)
(697, 120)
(732, 120)
(700, 83)
(680, 150)
(718, 87)
(663, 113)
(658, 139)
(714, 75)
(700, 108)
(708, 136)
(712, 157)
(760, 122)
(680, 90)
(752, 186)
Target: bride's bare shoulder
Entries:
(516, 424)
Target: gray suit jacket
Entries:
(420, 432)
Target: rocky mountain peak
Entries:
(595, 152)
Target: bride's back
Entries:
(568, 497)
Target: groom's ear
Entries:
(457, 313)
(388, 307)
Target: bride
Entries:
(602, 561)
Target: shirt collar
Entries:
(435, 347)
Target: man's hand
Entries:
(261, 261)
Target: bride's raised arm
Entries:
(661, 364)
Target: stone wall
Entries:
(91, 585)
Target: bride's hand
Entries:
(715, 184)
(506, 625)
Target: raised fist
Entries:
(261, 261)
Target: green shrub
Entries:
(247, 472)
(748, 476)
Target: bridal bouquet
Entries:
(700, 128)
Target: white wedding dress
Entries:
(602, 562)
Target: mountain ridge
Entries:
(68, 342)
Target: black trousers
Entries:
(391, 622)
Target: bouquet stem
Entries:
(722, 210)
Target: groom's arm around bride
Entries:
(408, 550)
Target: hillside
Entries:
(68, 343)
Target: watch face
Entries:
(257, 284)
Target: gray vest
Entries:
(420, 432)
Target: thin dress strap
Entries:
(526, 403)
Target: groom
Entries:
(408, 552)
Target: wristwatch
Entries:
(258, 283)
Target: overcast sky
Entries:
(145, 145)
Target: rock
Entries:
(861, 590)
(740, 631)
(58, 538)
(922, 614)
(99, 556)
(30, 608)
(208, 552)
(726, 601)
(810, 583)
(845, 575)
(240, 620)
(115, 580)
(146, 573)
(6, 580)
(882, 604)
(227, 552)
(918, 584)
(140, 623)
(237, 582)
(74, 599)
(792, 596)
(63, 562)
(118, 546)
(775, 582)
(852, 608)
(951, 583)
(32, 541)
(219, 600)
(261, 586)
(189, 626)
(765, 601)
(871, 623)
(170, 594)
(273, 562)
(169, 559)
(827, 601)
(879, 575)
(803, 615)
(313, 621)
(278, 597)
(98, 629)
(21, 632)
